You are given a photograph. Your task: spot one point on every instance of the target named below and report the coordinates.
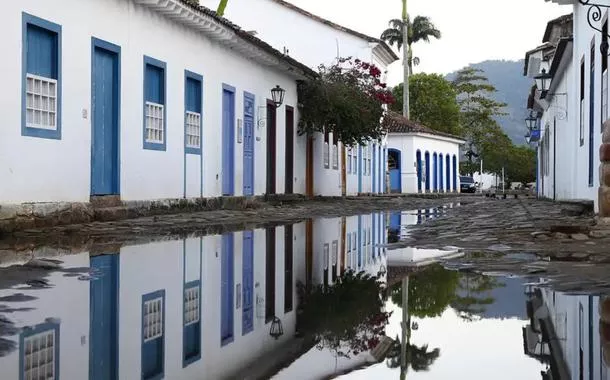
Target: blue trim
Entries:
(28, 19)
(427, 160)
(187, 361)
(418, 160)
(441, 182)
(359, 168)
(228, 87)
(145, 298)
(248, 276)
(374, 168)
(98, 43)
(40, 328)
(149, 61)
(384, 168)
(227, 268)
(198, 78)
(250, 97)
(359, 241)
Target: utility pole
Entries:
(405, 52)
(404, 325)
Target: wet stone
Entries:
(579, 237)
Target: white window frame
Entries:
(153, 319)
(37, 349)
(41, 102)
(326, 255)
(349, 160)
(155, 119)
(335, 248)
(191, 305)
(335, 157)
(355, 163)
(326, 154)
(193, 130)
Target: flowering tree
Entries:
(346, 317)
(346, 99)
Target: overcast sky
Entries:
(473, 30)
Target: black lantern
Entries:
(530, 122)
(543, 81)
(277, 94)
(276, 328)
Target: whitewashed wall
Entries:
(59, 170)
(409, 144)
(564, 313)
(313, 43)
(67, 302)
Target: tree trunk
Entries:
(405, 52)
(221, 7)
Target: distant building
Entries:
(420, 159)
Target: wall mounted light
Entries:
(277, 94)
(276, 328)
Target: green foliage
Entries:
(474, 294)
(421, 29)
(430, 292)
(432, 102)
(521, 165)
(346, 99)
(345, 317)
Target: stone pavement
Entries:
(562, 243)
(103, 236)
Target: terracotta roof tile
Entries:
(395, 123)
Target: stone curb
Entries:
(26, 216)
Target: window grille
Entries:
(349, 161)
(153, 319)
(41, 102)
(154, 123)
(335, 252)
(193, 129)
(191, 306)
(335, 157)
(326, 254)
(326, 155)
(39, 356)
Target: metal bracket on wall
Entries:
(594, 15)
(261, 120)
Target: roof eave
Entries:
(229, 35)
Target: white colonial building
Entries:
(176, 309)
(420, 159)
(568, 332)
(314, 41)
(166, 101)
(571, 104)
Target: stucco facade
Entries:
(314, 41)
(182, 39)
(421, 160)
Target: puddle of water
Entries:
(313, 300)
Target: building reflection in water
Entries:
(569, 333)
(182, 308)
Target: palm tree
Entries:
(422, 29)
(221, 7)
(418, 358)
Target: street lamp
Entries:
(543, 81)
(276, 328)
(530, 122)
(277, 94)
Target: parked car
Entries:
(467, 185)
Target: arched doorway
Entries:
(448, 173)
(434, 172)
(441, 185)
(420, 170)
(454, 173)
(427, 171)
(394, 165)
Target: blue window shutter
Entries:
(41, 52)
(226, 295)
(193, 95)
(153, 351)
(155, 91)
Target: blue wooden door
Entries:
(226, 290)
(105, 120)
(591, 116)
(248, 283)
(228, 142)
(104, 318)
(448, 173)
(394, 167)
(434, 172)
(454, 172)
(248, 144)
(419, 171)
